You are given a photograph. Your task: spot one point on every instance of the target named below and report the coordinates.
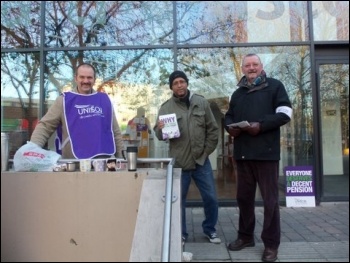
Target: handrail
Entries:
(165, 257)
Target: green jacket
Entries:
(198, 131)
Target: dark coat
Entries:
(264, 104)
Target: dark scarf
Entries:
(258, 83)
(185, 99)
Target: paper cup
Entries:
(99, 165)
(113, 164)
(85, 165)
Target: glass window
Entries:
(330, 20)
(20, 24)
(19, 96)
(334, 98)
(107, 23)
(215, 72)
(202, 22)
(135, 45)
(132, 78)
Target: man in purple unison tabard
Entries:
(89, 126)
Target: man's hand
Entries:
(234, 131)
(253, 129)
(160, 124)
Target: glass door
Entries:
(333, 94)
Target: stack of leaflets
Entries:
(171, 128)
(241, 124)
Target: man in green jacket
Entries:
(197, 140)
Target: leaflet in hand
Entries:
(171, 129)
(241, 124)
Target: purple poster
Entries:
(300, 186)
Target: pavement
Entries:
(309, 234)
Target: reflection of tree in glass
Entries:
(20, 74)
(80, 24)
(20, 24)
(102, 23)
(335, 87)
(215, 71)
(292, 67)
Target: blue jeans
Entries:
(204, 180)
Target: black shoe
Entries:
(240, 244)
(269, 255)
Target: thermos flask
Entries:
(131, 157)
(4, 151)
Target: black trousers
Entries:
(265, 175)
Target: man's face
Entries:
(179, 87)
(252, 68)
(85, 79)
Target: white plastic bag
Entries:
(32, 158)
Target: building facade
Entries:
(134, 46)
